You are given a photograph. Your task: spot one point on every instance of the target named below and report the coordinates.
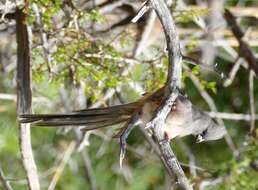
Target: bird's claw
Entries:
(124, 136)
(174, 106)
(122, 150)
(199, 138)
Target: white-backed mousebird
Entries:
(183, 119)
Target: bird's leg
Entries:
(125, 133)
(166, 137)
(173, 106)
(199, 138)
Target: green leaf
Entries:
(212, 87)
(196, 70)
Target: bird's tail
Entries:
(90, 118)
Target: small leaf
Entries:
(212, 87)
(196, 70)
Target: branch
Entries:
(145, 34)
(173, 82)
(156, 149)
(24, 98)
(252, 101)
(202, 65)
(88, 169)
(59, 170)
(233, 72)
(6, 185)
(111, 6)
(232, 116)
(244, 50)
(43, 36)
(191, 157)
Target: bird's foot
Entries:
(174, 106)
(124, 134)
(122, 150)
(166, 137)
(199, 138)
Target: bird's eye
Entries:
(204, 132)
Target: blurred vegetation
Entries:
(84, 59)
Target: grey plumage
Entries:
(202, 125)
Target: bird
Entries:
(184, 118)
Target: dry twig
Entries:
(252, 101)
(59, 170)
(6, 185)
(244, 50)
(145, 34)
(232, 116)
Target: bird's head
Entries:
(213, 132)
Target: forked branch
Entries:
(172, 85)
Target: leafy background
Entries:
(82, 61)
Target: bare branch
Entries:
(202, 65)
(233, 72)
(65, 158)
(173, 82)
(252, 101)
(144, 8)
(232, 116)
(88, 169)
(24, 98)
(43, 37)
(244, 50)
(156, 149)
(146, 33)
(6, 185)
(190, 155)
(111, 6)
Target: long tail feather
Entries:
(90, 118)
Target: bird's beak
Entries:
(199, 139)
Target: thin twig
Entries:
(232, 116)
(233, 72)
(146, 33)
(5, 184)
(59, 170)
(214, 19)
(88, 169)
(144, 8)
(82, 142)
(252, 102)
(13, 97)
(43, 37)
(244, 49)
(111, 6)
(202, 65)
(191, 157)
(24, 98)
(110, 57)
